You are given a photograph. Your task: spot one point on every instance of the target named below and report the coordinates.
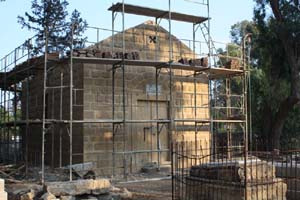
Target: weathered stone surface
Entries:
(257, 171)
(226, 180)
(48, 196)
(78, 187)
(3, 195)
(125, 194)
(25, 191)
(67, 198)
(28, 196)
(217, 190)
(1, 185)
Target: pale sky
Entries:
(223, 14)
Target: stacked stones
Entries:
(194, 62)
(3, 194)
(233, 64)
(133, 55)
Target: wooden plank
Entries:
(151, 12)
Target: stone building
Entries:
(92, 102)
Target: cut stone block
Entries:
(226, 180)
(218, 190)
(48, 196)
(1, 185)
(79, 187)
(257, 171)
(3, 195)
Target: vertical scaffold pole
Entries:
(27, 113)
(44, 104)
(170, 129)
(15, 110)
(60, 117)
(71, 102)
(113, 96)
(123, 89)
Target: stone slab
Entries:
(206, 189)
(79, 187)
(257, 171)
(3, 195)
(1, 185)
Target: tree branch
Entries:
(276, 11)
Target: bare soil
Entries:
(150, 190)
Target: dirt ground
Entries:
(150, 190)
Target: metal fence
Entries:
(231, 173)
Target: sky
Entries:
(223, 14)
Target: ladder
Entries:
(212, 50)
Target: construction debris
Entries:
(11, 172)
(72, 188)
(68, 190)
(194, 62)
(48, 196)
(23, 191)
(233, 64)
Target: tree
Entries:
(270, 82)
(49, 17)
(280, 36)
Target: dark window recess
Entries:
(152, 39)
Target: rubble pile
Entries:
(98, 189)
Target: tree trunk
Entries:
(265, 144)
(276, 130)
(290, 46)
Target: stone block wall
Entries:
(56, 139)
(140, 101)
(92, 100)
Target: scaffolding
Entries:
(13, 73)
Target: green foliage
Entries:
(240, 29)
(50, 16)
(4, 115)
(271, 69)
(291, 130)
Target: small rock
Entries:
(28, 196)
(125, 194)
(48, 196)
(67, 198)
(115, 189)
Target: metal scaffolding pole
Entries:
(170, 71)
(5, 109)
(157, 117)
(123, 89)
(60, 117)
(15, 99)
(71, 102)
(44, 104)
(27, 122)
(113, 96)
